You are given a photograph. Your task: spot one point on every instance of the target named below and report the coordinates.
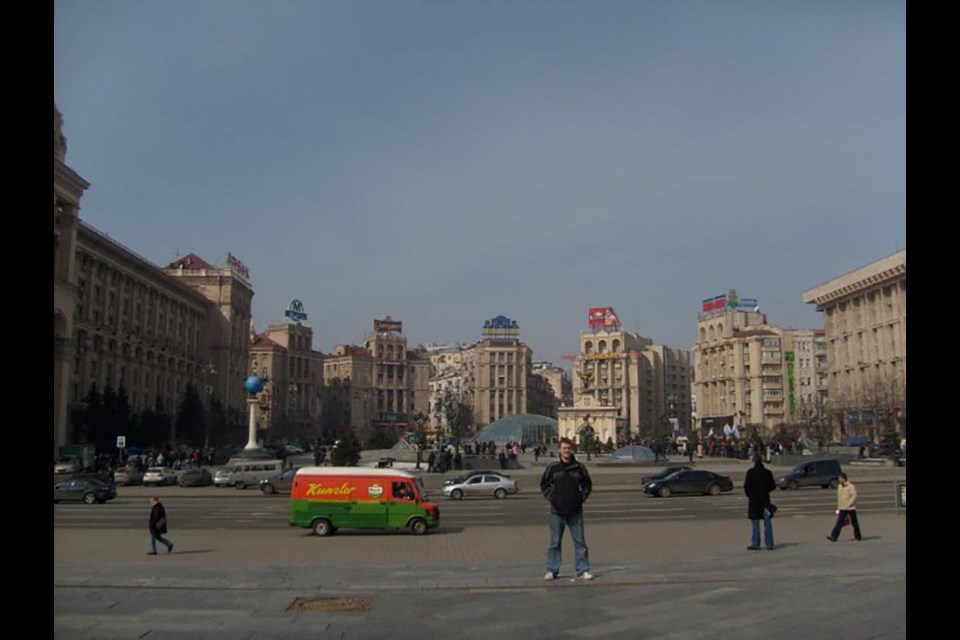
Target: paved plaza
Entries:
(654, 580)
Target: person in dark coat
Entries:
(757, 485)
(158, 526)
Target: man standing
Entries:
(846, 508)
(758, 484)
(567, 485)
(158, 526)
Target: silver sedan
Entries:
(488, 484)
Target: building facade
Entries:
(559, 380)
(348, 393)
(381, 385)
(123, 323)
(229, 290)
(292, 400)
(865, 327)
(749, 373)
(68, 188)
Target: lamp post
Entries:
(419, 417)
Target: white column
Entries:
(252, 440)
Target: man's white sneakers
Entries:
(550, 576)
(586, 575)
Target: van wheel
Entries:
(793, 485)
(89, 498)
(241, 484)
(500, 494)
(268, 489)
(834, 483)
(322, 527)
(456, 494)
(714, 490)
(418, 526)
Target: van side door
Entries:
(403, 504)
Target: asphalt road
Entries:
(227, 508)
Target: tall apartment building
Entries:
(122, 321)
(68, 188)
(610, 371)
(229, 290)
(865, 326)
(808, 376)
(560, 384)
(624, 385)
(500, 379)
(748, 372)
(292, 398)
(447, 385)
(381, 385)
(666, 373)
(348, 390)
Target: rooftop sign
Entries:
(603, 318)
(500, 327)
(295, 311)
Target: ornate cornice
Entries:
(882, 272)
(68, 182)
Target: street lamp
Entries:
(419, 417)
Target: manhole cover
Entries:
(331, 604)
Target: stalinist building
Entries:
(865, 322)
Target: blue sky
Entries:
(448, 162)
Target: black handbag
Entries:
(772, 508)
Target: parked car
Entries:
(487, 484)
(280, 483)
(466, 476)
(159, 475)
(815, 473)
(88, 490)
(67, 465)
(633, 453)
(693, 481)
(127, 476)
(223, 477)
(195, 477)
(663, 473)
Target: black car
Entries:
(663, 473)
(280, 483)
(690, 481)
(195, 477)
(88, 490)
(477, 472)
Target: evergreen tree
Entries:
(191, 417)
(347, 452)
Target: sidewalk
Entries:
(654, 580)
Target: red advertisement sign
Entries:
(713, 304)
(602, 318)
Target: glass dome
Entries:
(526, 428)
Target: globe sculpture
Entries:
(253, 385)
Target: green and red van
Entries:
(329, 498)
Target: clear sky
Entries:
(445, 162)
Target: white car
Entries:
(487, 484)
(67, 465)
(159, 475)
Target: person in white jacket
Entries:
(846, 507)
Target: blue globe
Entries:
(253, 384)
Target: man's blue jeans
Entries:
(580, 552)
(767, 531)
(154, 538)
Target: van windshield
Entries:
(420, 489)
